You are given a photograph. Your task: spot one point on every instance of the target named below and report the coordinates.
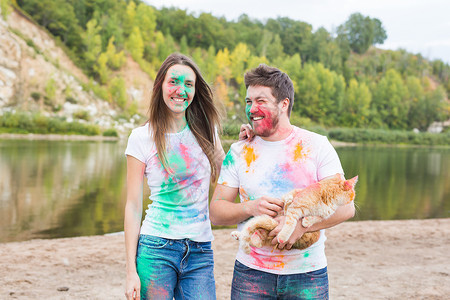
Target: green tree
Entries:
(223, 63)
(101, 68)
(362, 32)
(135, 44)
(118, 91)
(129, 22)
(92, 43)
(58, 17)
(390, 100)
(146, 20)
(5, 8)
(115, 60)
(356, 105)
(183, 45)
(238, 59)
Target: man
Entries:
(280, 157)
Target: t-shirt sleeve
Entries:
(229, 171)
(135, 146)
(328, 163)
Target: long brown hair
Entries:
(201, 115)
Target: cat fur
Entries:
(314, 203)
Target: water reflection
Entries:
(399, 183)
(60, 188)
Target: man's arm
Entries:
(224, 211)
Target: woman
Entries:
(178, 150)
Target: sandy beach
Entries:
(366, 260)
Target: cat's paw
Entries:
(236, 235)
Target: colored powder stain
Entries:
(294, 172)
(244, 195)
(278, 179)
(306, 254)
(249, 155)
(298, 151)
(273, 262)
(247, 112)
(184, 151)
(229, 160)
(308, 293)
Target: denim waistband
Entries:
(174, 241)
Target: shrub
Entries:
(36, 96)
(82, 115)
(358, 135)
(231, 130)
(21, 122)
(71, 100)
(110, 132)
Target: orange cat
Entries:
(313, 203)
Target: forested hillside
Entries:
(341, 79)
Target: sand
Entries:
(366, 260)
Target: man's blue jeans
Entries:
(183, 269)
(249, 284)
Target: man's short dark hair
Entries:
(280, 83)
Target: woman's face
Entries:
(178, 88)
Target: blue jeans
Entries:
(183, 269)
(249, 284)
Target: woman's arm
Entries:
(132, 223)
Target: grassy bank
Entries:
(24, 123)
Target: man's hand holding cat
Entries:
(265, 206)
(296, 235)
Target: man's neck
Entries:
(284, 129)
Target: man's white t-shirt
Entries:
(261, 168)
(179, 207)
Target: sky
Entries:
(419, 26)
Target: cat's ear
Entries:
(350, 184)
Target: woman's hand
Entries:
(246, 132)
(133, 287)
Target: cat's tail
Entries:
(252, 235)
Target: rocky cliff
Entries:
(36, 75)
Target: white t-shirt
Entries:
(180, 200)
(261, 168)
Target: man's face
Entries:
(262, 110)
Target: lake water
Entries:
(52, 189)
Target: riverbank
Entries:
(56, 137)
(366, 260)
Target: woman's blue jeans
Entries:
(183, 269)
(249, 284)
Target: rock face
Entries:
(37, 75)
